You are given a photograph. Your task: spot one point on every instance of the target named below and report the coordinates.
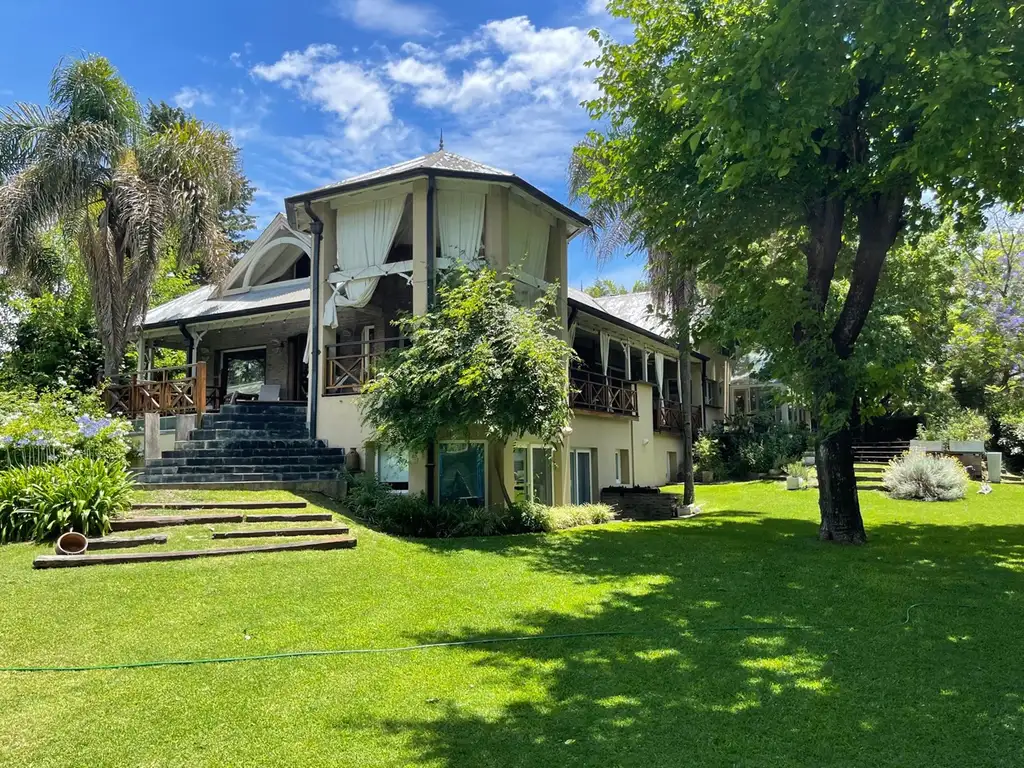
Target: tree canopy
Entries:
(126, 186)
(477, 360)
(830, 131)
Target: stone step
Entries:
(331, 487)
(240, 470)
(251, 445)
(147, 479)
(308, 459)
(298, 433)
(305, 448)
(255, 422)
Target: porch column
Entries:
(141, 349)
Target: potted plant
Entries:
(960, 431)
(707, 459)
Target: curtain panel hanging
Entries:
(528, 240)
(366, 233)
(605, 349)
(659, 373)
(460, 219)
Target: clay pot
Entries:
(72, 543)
(353, 462)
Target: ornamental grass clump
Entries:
(923, 477)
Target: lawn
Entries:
(744, 642)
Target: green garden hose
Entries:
(761, 628)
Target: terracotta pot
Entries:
(353, 462)
(72, 543)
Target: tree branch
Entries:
(880, 221)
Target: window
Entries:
(740, 401)
(582, 479)
(244, 371)
(533, 473)
(461, 472)
(622, 467)
(393, 469)
(673, 466)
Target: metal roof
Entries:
(440, 163)
(201, 305)
(638, 309)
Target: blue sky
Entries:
(318, 91)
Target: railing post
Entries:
(200, 393)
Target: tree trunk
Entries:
(841, 520)
(684, 316)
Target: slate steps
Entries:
(243, 445)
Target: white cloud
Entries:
(236, 58)
(411, 71)
(341, 87)
(597, 7)
(189, 97)
(295, 65)
(394, 16)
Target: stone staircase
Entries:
(248, 446)
(879, 453)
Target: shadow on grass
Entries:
(748, 643)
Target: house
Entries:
(364, 251)
(752, 394)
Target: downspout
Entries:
(316, 229)
(704, 395)
(431, 279)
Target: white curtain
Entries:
(605, 349)
(629, 363)
(647, 357)
(366, 233)
(572, 334)
(460, 218)
(659, 373)
(528, 240)
(306, 354)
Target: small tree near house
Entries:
(478, 361)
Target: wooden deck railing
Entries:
(352, 364)
(602, 394)
(668, 417)
(166, 391)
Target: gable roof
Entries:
(203, 304)
(441, 163)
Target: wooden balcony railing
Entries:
(601, 394)
(352, 364)
(166, 391)
(668, 417)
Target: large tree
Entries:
(129, 189)
(836, 128)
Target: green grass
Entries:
(706, 676)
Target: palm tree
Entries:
(129, 191)
(616, 229)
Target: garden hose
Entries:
(760, 628)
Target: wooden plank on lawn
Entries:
(259, 533)
(208, 505)
(126, 541)
(81, 561)
(301, 517)
(161, 521)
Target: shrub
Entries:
(411, 515)
(707, 457)
(957, 424)
(1011, 439)
(53, 426)
(917, 475)
(81, 494)
(758, 444)
(801, 470)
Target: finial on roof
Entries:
(440, 145)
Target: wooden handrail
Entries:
(602, 394)
(167, 396)
(350, 365)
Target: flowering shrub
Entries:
(55, 426)
(957, 425)
(917, 475)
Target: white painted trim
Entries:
(279, 224)
(361, 196)
(258, 259)
(574, 483)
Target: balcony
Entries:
(352, 364)
(165, 391)
(601, 394)
(668, 417)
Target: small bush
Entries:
(957, 425)
(707, 457)
(801, 470)
(917, 475)
(411, 515)
(757, 444)
(81, 494)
